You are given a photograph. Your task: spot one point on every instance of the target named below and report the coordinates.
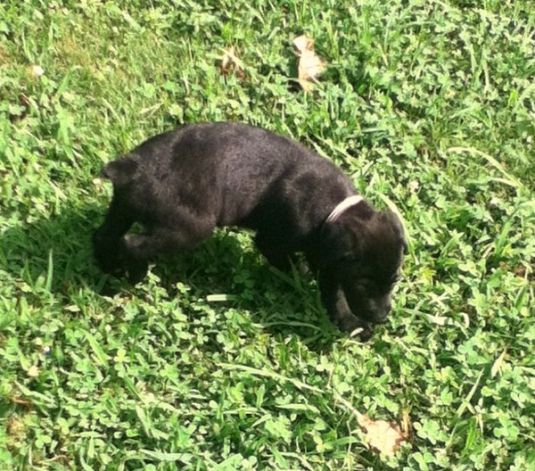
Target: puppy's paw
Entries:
(135, 267)
(355, 327)
(136, 270)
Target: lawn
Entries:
(216, 361)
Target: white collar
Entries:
(342, 206)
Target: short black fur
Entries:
(182, 184)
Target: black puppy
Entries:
(182, 184)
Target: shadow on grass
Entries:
(55, 254)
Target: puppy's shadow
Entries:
(55, 254)
(228, 268)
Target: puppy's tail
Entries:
(122, 170)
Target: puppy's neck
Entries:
(343, 206)
(354, 204)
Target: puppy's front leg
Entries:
(140, 248)
(337, 308)
(277, 254)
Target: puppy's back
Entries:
(223, 169)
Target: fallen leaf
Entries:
(386, 437)
(230, 63)
(310, 65)
(21, 401)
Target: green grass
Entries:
(428, 105)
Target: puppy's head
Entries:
(364, 251)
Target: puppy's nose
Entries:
(380, 317)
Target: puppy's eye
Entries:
(367, 285)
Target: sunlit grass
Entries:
(217, 361)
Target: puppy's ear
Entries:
(120, 171)
(400, 228)
(338, 242)
(405, 245)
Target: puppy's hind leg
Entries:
(161, 239)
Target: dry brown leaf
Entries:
(230, 63)
(386, 437)
(310, 65)
(20, 401)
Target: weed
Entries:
(217, 361)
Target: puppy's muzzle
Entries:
(377, 311)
